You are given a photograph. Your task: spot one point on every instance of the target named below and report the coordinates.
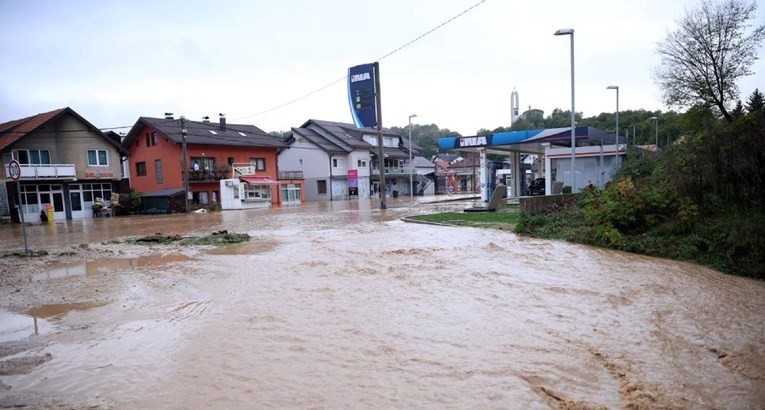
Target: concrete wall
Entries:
(532, 205)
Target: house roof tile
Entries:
(14, 130)
(205, 133)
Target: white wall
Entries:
(305, 156)
(230, 194)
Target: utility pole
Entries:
(380, 151)
(185, 164)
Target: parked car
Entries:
(537, 187)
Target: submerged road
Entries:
(343, 305)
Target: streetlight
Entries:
(657, 131)
(411, 166)
(616, 87)
(570, 32)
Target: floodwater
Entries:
(343, 305)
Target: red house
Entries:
(155, 147)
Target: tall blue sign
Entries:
(361, 95)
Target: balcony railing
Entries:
(46, 171)
(207, 176)
(290, 175)
(395, 170)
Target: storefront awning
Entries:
(259, 180)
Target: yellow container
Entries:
(49, 211)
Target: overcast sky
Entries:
(113, 61)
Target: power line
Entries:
(379, 59)
(433, 29)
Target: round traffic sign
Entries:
(14, 170)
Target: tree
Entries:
(756, 102)
(425, 136)
(710, 50)
(738, 111)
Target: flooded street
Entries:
(343, 305)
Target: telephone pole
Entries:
(185, 165)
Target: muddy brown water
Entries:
(343, 305)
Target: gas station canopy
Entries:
(529, 141)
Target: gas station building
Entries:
(597, 154)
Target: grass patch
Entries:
(494, 220)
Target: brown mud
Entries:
(343, 305)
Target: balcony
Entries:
(290, 175)
(209, 176)
(45, 171)
(395, 170)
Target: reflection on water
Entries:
(14, 326)
(312, 215)
(110, 265)
(54, 312)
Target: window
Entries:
(148, 140)
(334, 162)
(257, 191)
(34, 156)
(140, 169)
(91, 192)
(322, 186)
(154, 138)
(98, 158)
(158, 166)
(258, 163)
(362, 163)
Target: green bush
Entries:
(131, 202)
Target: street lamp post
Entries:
(616, 87)
(570, 32)
(657, 131)
(411, 166)
(634, 135)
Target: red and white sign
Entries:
(14, 170)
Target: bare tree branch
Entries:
(712, 48)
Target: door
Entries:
(59, 213)
(75, 198)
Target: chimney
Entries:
(222, 122)
(206, 119)
(168, 116)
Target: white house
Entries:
(337, 160)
